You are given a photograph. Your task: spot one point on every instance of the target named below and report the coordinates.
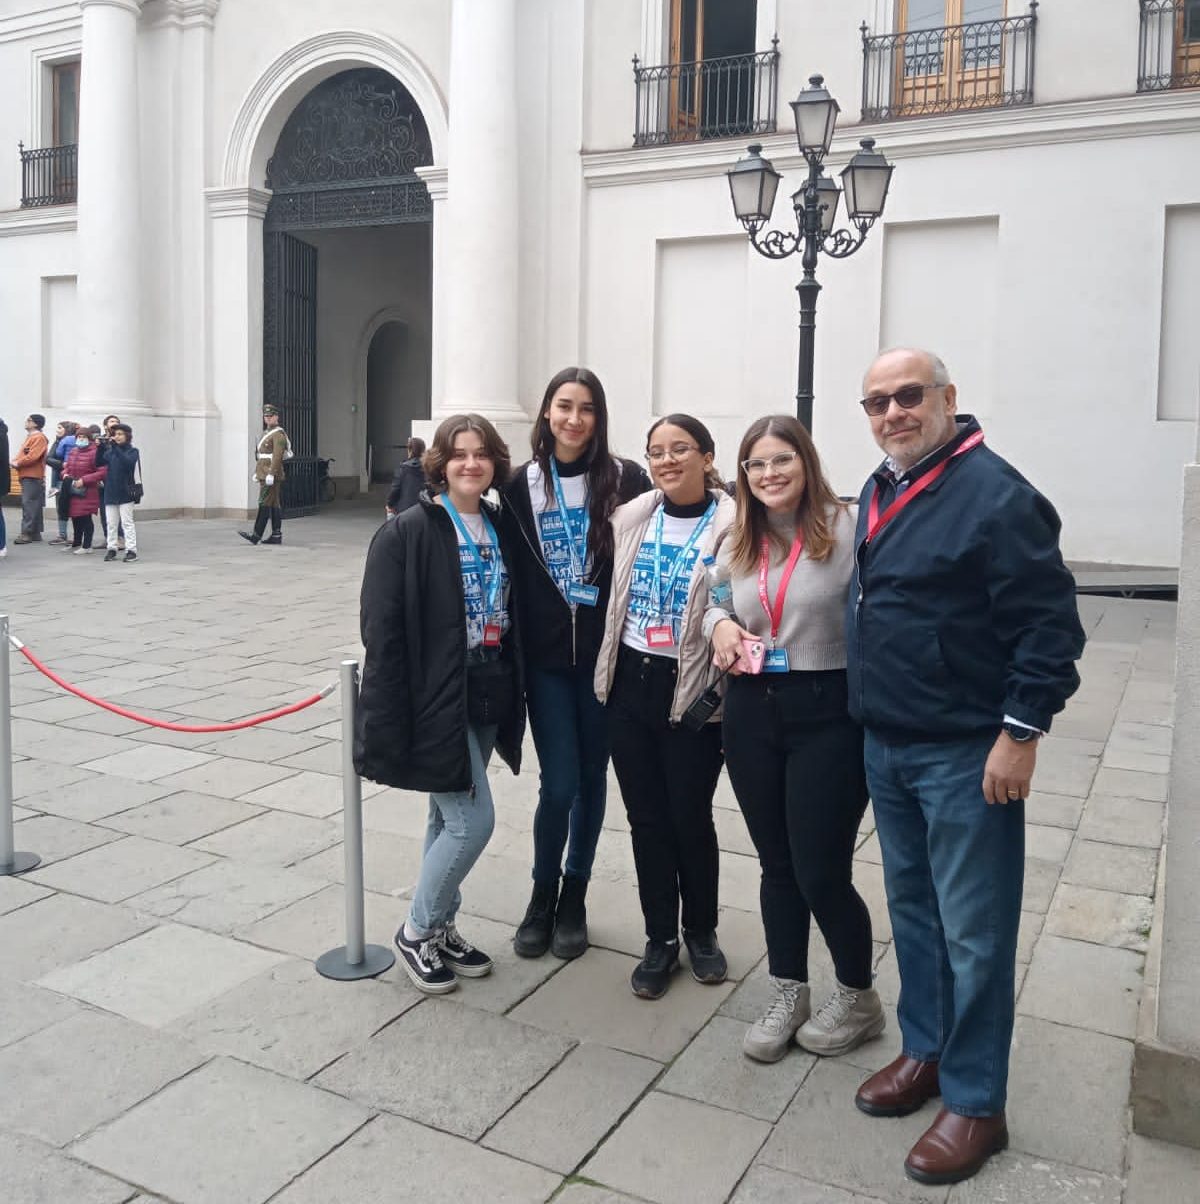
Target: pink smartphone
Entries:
(751, 656)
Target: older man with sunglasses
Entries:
(962, 636)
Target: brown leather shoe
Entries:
(954, 1147)
(899, 1088)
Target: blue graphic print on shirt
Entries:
(643, 589)
(474, 593)
(555, 547)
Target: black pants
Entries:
(796, 765)
(667, 776)
(84, 528)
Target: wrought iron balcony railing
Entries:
(978, 65)
(1169, 45)
(49, 176)
(715, 98)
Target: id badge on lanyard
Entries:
(578, 593)
(489, 583)
(661, 634)
(776, 660)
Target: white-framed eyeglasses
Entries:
(677, 451)
(777, 463)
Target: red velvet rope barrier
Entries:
(253, 721)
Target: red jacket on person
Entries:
(81, 466)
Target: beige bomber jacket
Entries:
(629, 523)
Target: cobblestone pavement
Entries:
(163, 1034)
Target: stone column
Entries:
(109, 268)
(477, 340)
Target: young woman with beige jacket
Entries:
(653, 662)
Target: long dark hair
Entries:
(814, 513)
(704, 441)
(603, 472)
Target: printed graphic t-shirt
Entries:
(556, 550)
(643, 592)
(474, 591)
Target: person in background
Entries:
(273, 451)
(441, 681)
(564, 499)
(408, 480)
(5, 486)
(85, 488)
(30, 463)
(123, 462)
(64, 440)
(106, 429)
(793, 753)
(652, 665)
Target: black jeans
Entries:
(84, 528)
(796, 765)
(667, 776)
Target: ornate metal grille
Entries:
(49, 176)
(1169, 45)
(977, 65)
(714, 98)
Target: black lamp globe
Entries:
(816, 114)
(753, 182)
(866, 178)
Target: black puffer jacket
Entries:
(411, 723)
(554, 638)
(5, 469)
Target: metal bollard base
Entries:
(376, 959)
(21, 863)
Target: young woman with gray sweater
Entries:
(795, 758)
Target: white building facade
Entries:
(378, 213)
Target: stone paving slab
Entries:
(1113, 979)
(677, 1151)
(394, 1159)
(15, 893)
(95, 797)
(1103, 917)
(1160, 1171)
(70, 1077)
(227, 1134)
(120, 869)
(37, 1174)
(25, 1010)
(1121, 868)
(273, 838)
(1123, 821)
(158, 976)
(306, 793)
(225, 776)
(55, 839)
(1015, 1178)
(766, 1185)
(33, 776)
(181, 817)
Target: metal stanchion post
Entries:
(354, 959)
(10, 862)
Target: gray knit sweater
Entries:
(813, 626)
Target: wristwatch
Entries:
(1022, 735)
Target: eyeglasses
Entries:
(907, 398)
(779, 463)
(677, 451)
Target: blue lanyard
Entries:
(488, 582)
(661, 588)
(578, 555)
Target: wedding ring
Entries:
(1014, 794)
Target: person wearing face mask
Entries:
(564, 499)
(85, 488)
(793, 753)
(441, 682)
(122, 487)
(653, 663)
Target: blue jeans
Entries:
(953, 867)
(460, 825)
(570, 733)
(3, 528)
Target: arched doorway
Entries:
(347, 232)
(397, 391)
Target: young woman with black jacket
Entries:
(441, 682)
(563, 500)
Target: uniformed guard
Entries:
(274, 449)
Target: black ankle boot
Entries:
(533, 936)
(570, 920)
(260, 525)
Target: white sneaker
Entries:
(768, 1038)
(843, 1022)
(3, 553)
(82, 551)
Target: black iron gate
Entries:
(290, 360)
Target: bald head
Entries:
(909, 434)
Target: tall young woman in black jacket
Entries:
(563, 500)
(441, 683)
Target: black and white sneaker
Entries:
(461, 956)
(422, 961)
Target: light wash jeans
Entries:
(459, 828)
(120, 521)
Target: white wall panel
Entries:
(59, 339)
(1179, 350)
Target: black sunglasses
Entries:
(907, 398)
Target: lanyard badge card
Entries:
(489, 582)
(776, 660)
(662, 633)
(578, 593)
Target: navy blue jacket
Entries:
(961, 610)
(120, 460)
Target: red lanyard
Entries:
(775, 613)
(876, 521)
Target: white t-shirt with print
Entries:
(556, 550)
(474, 593)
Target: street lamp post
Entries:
(753, 182)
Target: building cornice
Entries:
(1137, 115)
(237, 202)
(49, 18)
(437, 180)
(60, 219)
(180, 14)
(133, 7)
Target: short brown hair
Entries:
(814, 514)
(435, 459)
